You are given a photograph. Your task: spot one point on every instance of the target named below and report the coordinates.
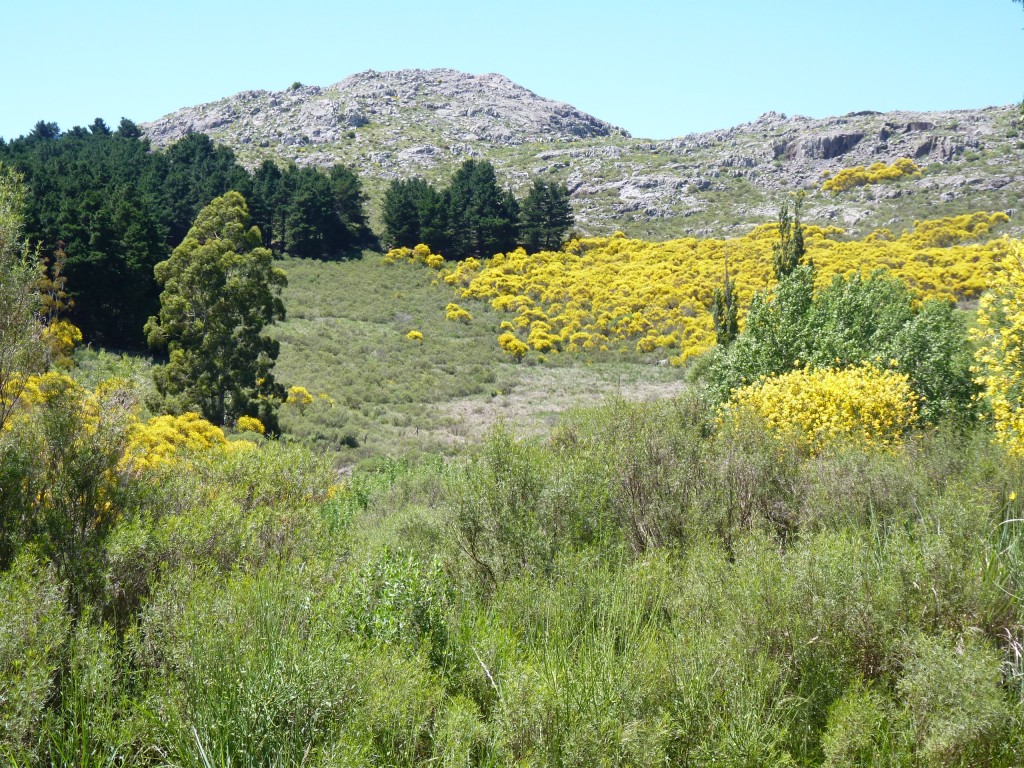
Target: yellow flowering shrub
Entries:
(250, 424)
(299, 396)
(859, 176)
(420, 252)
(615, 292)
(112, 405)
(21, 394)
(158, 440)
(60, 338)
(457, 314)
(399, 254)
(37, 390)
(55, 387)
(817, 406)
(414, 336)
(419, 255)
(513, 346)
(1000, 354)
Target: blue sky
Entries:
(658, 69)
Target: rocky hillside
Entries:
(424, 122)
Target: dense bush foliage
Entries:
(22, 346)
(646, 585)
(1001, 354)
(818, 406)
(851, 321)
(642, 587)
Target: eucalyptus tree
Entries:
(220, 290)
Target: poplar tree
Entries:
(725, 310)
(790, 250)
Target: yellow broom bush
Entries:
(157, 441)
(859, 176)
(863, 404)
(1000, 355)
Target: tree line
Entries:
(113, 209)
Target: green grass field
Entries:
(345, 336)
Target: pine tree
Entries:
(546, 216)
(266, 204)
(482, 218)
(401, 216)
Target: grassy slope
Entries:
(346, 336)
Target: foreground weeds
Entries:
(639, 588)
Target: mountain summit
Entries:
(448, 106)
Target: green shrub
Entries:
(243, 669)
(866, 729)
(855, 318)
(398, 601)
(34, 628)
(246, 506)
(933, 350)
(951, 687)
(93, 722)
(502, 521)
(852, 320)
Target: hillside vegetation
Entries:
(639, 587)
(613, 292)
(645, 583)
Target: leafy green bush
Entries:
(243, 506)
(866, 728)
(853, 320)
(249, 676)
(34, 628)
(93, 723)
(502, 520)
(394, 599)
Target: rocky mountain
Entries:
(425, 122)
(456, 110)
